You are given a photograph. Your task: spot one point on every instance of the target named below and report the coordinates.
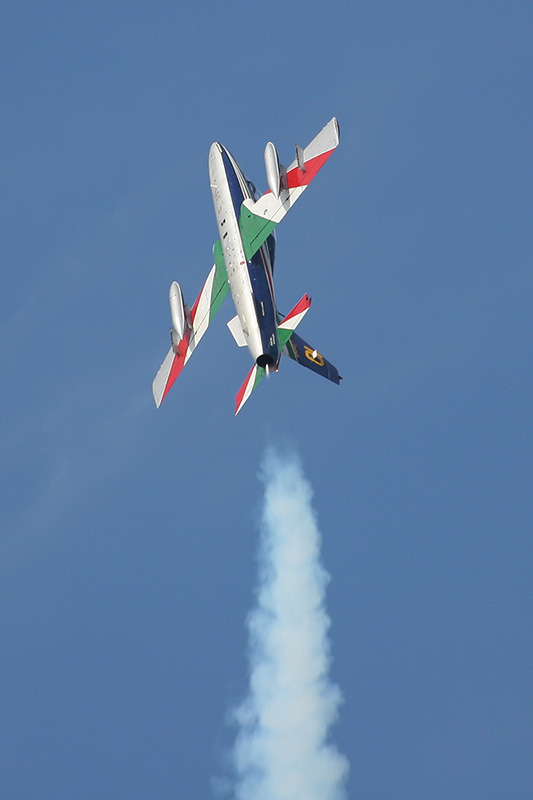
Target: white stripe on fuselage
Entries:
(232, 246)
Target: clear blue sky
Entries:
(128, 535)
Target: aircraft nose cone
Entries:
(215, 162)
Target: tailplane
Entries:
(297, 349)
(286, 329)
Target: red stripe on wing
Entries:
(177, 364)
(298, 177)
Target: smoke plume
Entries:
(282, 750)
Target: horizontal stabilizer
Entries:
(253, 378)
(309, 357)
(285, 331)
(236, 331)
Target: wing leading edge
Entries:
(205, 307)
(258, 219)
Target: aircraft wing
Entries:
(258, 219)
(204, 309)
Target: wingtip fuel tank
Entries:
(272, 169)
(244, 259)
(177, 309)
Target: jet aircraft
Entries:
(244, 264)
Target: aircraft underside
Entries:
(244, 264)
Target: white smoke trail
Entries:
(282, 751)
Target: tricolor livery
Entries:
(244, 264)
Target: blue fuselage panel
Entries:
(259, 269)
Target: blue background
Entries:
(128, 535)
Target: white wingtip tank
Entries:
(177, 309)
(272, 169)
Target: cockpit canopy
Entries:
(253, 190)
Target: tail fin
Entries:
(285, 331)
(292, 320)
